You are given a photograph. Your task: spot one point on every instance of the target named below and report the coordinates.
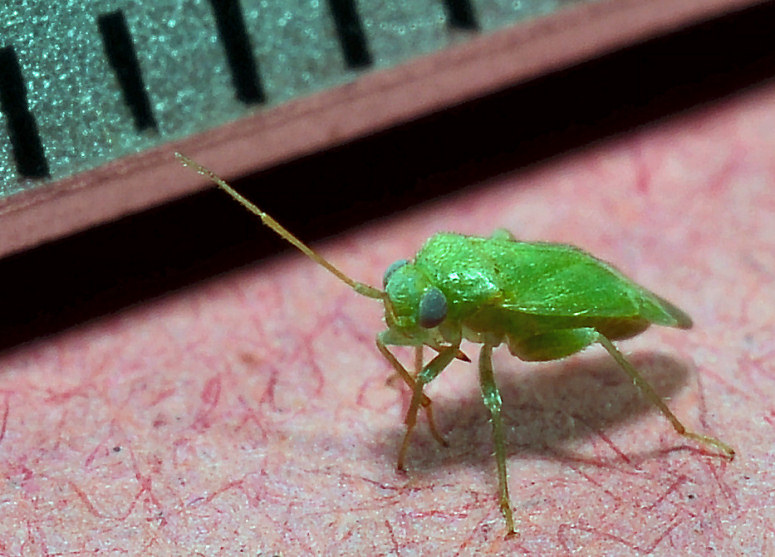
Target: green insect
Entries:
(544, 301)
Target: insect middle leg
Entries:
(410, 381)
(657, 401)
(492, 400)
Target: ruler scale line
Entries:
(235, 40)
(121, 55)
(351, 35)
(26, 145)
(461, 14)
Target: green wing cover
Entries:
(538, 278)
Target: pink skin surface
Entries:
(254, 412)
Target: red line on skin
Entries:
(605, 464)
(348, 535)
(6, 410)
(268, 397)
(721, 180)
(238, 484)
(392, 537)
(575, 462)
(211, 393)
(254, 496)
(723, 487)
(385, 486)
(614, 448)
(642, 167)
(250, 415)
(563, 538)
(360, 398)
(35, 536)
(682, 479)
(496, 542)
(395, 495)
(63, 396)
(18, 468)
(607, 440)
(463, 513)
(93, 454)
(290, 533)
(86, 501)
(145, 483)
(671, 489)
(163, 395)
(151, 542)
(348, 511)
(313, 366)
(597, 484)
(715, 470)
(672, 526)
(352, 328)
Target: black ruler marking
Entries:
(461, 14)
(350, 31)
(234, 36)
(26, 145)
(123, 59)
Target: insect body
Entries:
(544, 301)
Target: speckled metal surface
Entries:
(81, 114)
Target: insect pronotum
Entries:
(544, 301)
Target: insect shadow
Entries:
(545, 406)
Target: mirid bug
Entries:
(544, 301)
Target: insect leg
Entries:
(655, 399)
(409, 380)
(492, 400)
(428, 374)
(419, 359)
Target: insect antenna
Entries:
(359, 287)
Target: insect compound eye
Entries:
(433, 308)
(392, 269)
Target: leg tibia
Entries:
(492, 400)
(652, 396)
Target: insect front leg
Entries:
(655, 399)
(428, 374)
(492, 400)
(409, 380)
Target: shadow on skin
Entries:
(545, 405)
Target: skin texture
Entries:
(254, 412)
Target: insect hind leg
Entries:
(492, 400)
(657, 401)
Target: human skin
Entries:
(254, 412)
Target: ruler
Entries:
(94, 96)
(84, 83)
